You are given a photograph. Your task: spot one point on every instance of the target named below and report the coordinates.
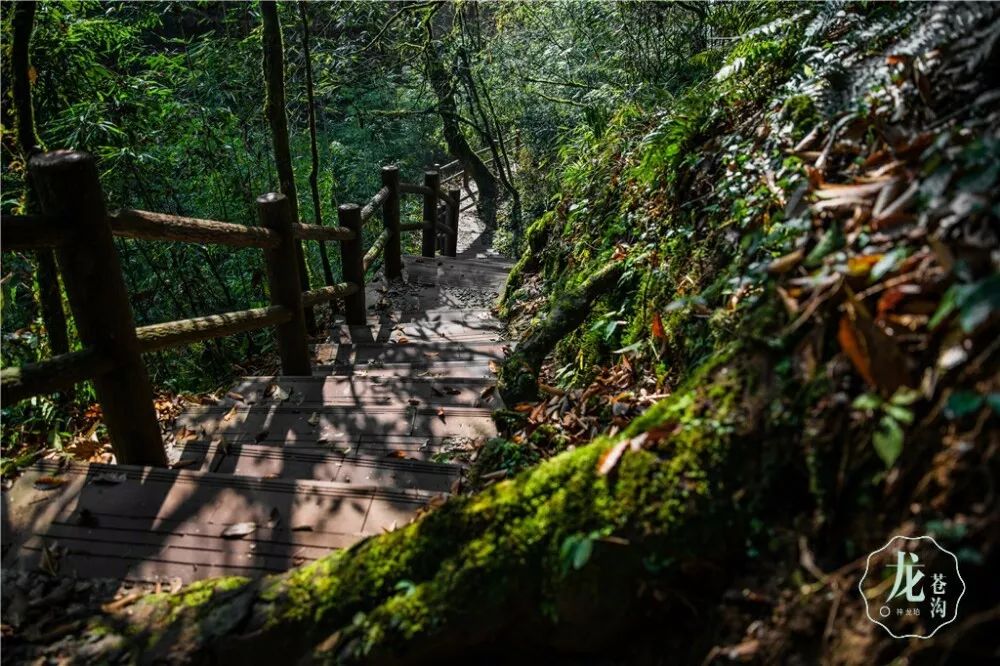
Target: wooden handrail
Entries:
(185, 331)
(411, 188)
(324, 294)
(352, 264)
(428, 240)
(447, 197)
(162, 227)
(318, 233)
(375, 250)
(34, 232)
(374, 203)
(55, 374)
(71, 198)
(68, 185)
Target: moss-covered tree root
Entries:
(518, 380)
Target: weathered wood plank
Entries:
(374, 203)
(285, 287)
(51, 375)
(318, 233)
(68, 187)
(325, 294)
(162, 227)
(152, 523)
(34, 232)
(352, 263)
(372, 255)
(185, 331)
(331, 426)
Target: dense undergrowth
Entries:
(810, 277)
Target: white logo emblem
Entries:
(926, 587)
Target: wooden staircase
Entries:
(287, 468)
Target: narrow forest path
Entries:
(284, 469)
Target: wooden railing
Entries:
(76, 224)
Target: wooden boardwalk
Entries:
(286, 469)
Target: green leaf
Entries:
(945, 307)
(581, 554)
(901, 414)
(976, 302)
(963, 403)
(867, 401)
(888, 440)
(904, 396)
(993, 400)
(887, 263)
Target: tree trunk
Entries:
(49, 296)
(277, 118)
(444, 89)
(314, 172)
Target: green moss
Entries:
(801, 111)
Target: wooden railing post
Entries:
(456, 197)
(390, 220)
(275, 213)
(68, 186)
(352, 257)
(432, 181)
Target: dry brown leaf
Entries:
(184, 463)
(614, 454)
(657, 327)
(228, 416)
(49, 482)
(786, 263)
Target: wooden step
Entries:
(359, 391)
(477, 354)
(388, 331)
(156, 524)
(333, 425)
(342, 464)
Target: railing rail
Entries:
(75, 222)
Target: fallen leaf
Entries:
(494, 367)
(235, 396)
(402, 340)
(231, 413)
(187, 462)
(313, 420)
(395, 454)
(488, 391)
(440, 413)
(185, 435)
(49, 482)
(786, 263)
(239, 530)
(614, 454)
(875, 355)
(657, 327)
